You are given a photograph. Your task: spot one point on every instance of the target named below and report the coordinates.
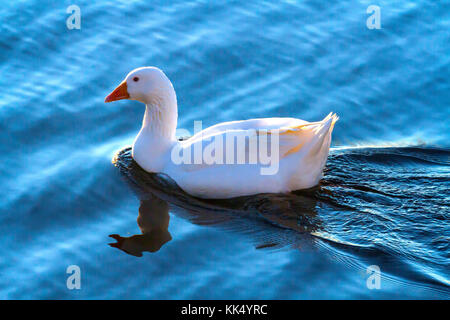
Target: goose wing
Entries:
(250, 141)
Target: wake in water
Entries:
(388, 206)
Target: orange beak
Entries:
(119, 93)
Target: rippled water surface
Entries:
(384, 199)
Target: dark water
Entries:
(384, 199)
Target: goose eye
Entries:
(135, 79)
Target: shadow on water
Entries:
(291, 214)
(153, 220)
(382, 206)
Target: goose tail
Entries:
(323, 133)
(313, 159)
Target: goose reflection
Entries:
(271, 220)
(153, 220)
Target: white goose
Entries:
(299, 149)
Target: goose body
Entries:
(230, 159)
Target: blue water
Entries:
(384, 199)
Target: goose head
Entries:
(151, 86)
(148, 85)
